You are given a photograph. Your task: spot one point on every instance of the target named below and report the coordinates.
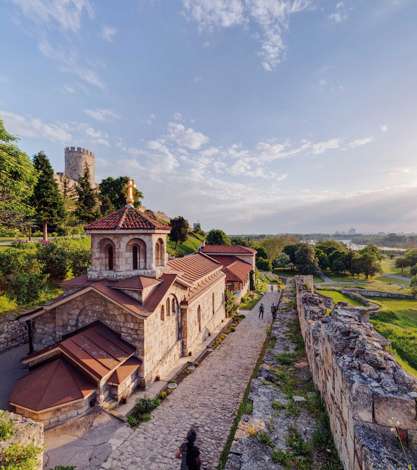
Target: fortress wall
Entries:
(370, 400)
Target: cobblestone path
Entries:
(206, 399)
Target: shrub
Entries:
(25, 287)
(55, 260)
(19, 457)
(263, 264)
(264, 438)
(282, 457)
(80, 261)
(6, 427)
(142, 411)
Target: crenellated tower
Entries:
(76, 159)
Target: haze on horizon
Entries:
(255, 116)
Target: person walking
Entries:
(261, 311)
(274, 312)
(189, 453)
(273, 308)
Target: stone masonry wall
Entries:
(370, 400)
(81, 311)
(12, 332)
(25, 431)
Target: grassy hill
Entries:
(191, 245)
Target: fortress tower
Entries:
(76, 158)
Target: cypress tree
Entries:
(87, 204)
(46, 199)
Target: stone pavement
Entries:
(206, 399)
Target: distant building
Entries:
(76, 160)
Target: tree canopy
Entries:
(217, 237)
(113, 193)
(87, 202)
(179, 229)
(17, 181)
(46, 199)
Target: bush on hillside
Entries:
(55, 260)
(80, 260)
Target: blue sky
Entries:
(256, 116)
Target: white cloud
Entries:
(186, 137)
(34, 128)
(101, 114)
(384, 128)
(270, 16)
(70, 63)
(108, 33)
(97, 137)
(360, 142)
(66, 14)
(320, 147)
(340, 14)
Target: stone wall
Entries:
(12, 332)
(370, 400)
(385, 295)
(81, 311)
(25, 431)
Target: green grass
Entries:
(397, 321)
(339, 297)
(191, 245)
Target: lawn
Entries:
(191, 245)
(397, 321)
(339, 297)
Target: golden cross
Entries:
(130, 185)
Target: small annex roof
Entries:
(127, 218)
(227, 250)
(135, 283)
(52, 384)
(124, 371)
(193, 268)
(97, 349)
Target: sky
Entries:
(254, 116)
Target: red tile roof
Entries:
(135, 283)
(55, 383)
(97, 349)
(192, 268)
(228, 250)
(237, 271)
(128, 218)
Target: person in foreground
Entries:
(189, 453)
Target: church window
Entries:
(135, 256)
(110, 256)
(159, 252)
(212, 302)
(199, 318)
(162, 313)
(168, 308)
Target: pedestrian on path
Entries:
(189, 453)
(261, 311)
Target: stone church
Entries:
(123, 325)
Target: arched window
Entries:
(138, 250)
(162, 313)
(173, 306)
(199, 318)
(168, 307)
(135, 257)
(212, 302)
(159, 252)
(110, 257)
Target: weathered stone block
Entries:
(395, 411)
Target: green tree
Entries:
(55, 260)
(231, 304)
(401, 262)
(179, 230)
(113, 192)
(305, 259)
(261, 253)
(217, 237)
(87, 205)
(281, 261)
(17, 181)
(368, 261)
(413, 285)
(290, 250)
(263, 264)
(46, 199)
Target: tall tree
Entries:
(17, 180)
(46, 199)
(113, 194)
(87, 203)
(179, 230)
(217, 237)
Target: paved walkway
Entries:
(206, 399)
